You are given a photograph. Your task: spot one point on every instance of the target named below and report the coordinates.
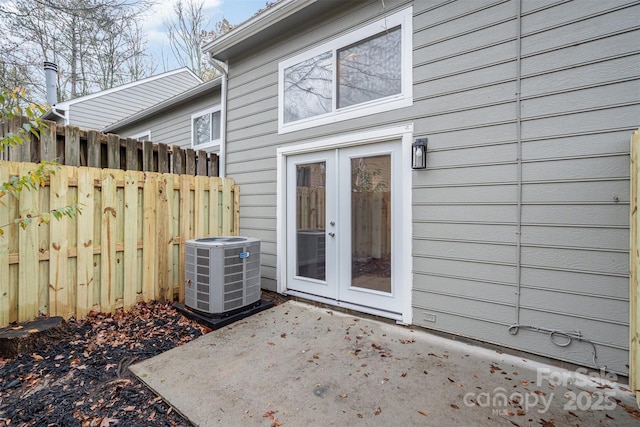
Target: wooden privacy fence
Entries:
(126, 245)
(370, 218)
(72, 146)
(634, 321)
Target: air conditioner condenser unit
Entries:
(222, 274)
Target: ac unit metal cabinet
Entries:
(222, 274)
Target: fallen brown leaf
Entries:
(377, 411)
(424, 414)
(454, 406)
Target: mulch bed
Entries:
(82, 379)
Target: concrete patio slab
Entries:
(301, 365)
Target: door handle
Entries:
(332, 234)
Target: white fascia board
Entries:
(255, 25)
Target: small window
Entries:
(205, 128)
(364, 72)
(142, 136)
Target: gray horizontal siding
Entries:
(173, 126)
(98, 112)
(579, 99)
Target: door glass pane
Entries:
(310, 220)
(371, 222)
(370, 69)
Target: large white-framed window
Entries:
(206, 128)
(364, 72)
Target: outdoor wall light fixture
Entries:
(419, 153)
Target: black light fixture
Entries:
(419, 153)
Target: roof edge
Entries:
(255, 25)
(64, 105)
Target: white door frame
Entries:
(403, 132)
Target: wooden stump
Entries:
(30, 336)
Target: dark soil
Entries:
(83, 380)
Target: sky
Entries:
(235, 11)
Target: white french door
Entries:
(344, 226)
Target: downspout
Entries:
(519, 160)
(223, 68)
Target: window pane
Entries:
(371, 223)
(371, 69)
(202, 129)
(215, 125)
(310, 217)
(307, 88)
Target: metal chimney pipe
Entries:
(51, 74)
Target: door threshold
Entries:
(348, 306)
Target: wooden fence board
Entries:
(72, 146)
(171, 233)
(215, 200)
(178, 160)
(48, 149)
(5, 303)
(227, 207)
(236, 210)
(131, 238)
(163, 158)
(200, 228)
(94, 149)
(132, 154)
(202, 163)
(186, 224)
(149, 237)
(113, 151)
(58, 248)
(28, 301)
(190, 162)
(108, 252)
(162, 223)
(147, 156)
(84, 294)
